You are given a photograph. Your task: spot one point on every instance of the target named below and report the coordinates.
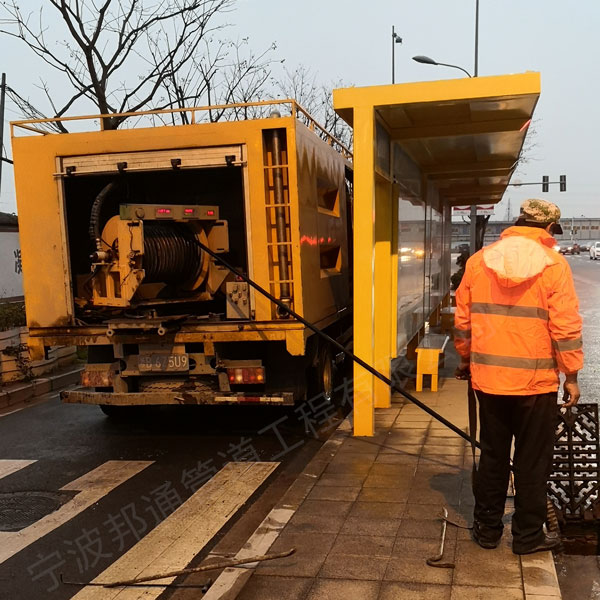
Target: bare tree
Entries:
(108, 39)
(128, 55)
(530, 144)
(225, 72)
(302, 85)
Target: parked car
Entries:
(594, 250)
(567, 248)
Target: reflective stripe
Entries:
(512, 362)
(564, 345)
(508, 310)
(462, 333)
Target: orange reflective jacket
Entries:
(517, 315)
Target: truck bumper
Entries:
(179, 398)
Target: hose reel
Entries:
(147, 248)
(172, 254)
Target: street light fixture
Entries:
(425, 60)
(396, 39)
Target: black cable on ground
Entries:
(551, 514)
(287, 310)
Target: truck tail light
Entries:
(97, 377)
(241, 375)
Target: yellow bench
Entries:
(428, 357)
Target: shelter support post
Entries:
(364, 211)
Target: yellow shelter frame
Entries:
(464, 138)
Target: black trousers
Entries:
(532, 421)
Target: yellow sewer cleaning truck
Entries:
(113, 225)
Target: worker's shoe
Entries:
(486, 539)
(550, 542)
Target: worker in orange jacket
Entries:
(517, 326)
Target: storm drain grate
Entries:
(573, 485)
(21, 509)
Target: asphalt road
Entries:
(579, 576)
(586, 274)
(174, 452)
(145, 470)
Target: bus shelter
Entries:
(419, 149)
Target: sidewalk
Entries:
(363, 518)
(16, 394)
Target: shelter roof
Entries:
(465, 134)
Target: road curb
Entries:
(23, 392)
(232, 580)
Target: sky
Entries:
(351, 40)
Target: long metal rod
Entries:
(339, 346)
(223, 564)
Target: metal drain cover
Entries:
(21, 509)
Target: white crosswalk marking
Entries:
(8, 467)
(173, 544)
(92, 487)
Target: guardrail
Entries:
(190, 116)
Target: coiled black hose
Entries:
(171, 253)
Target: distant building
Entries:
(580, 229)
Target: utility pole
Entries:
(476, 69)
(508, 215)
(396, 39)
(2, 98)
(473, 229)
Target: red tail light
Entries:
(242, 375)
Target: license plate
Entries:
(163, 362)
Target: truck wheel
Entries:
(322, 377)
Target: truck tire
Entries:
(323, 374)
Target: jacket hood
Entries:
(521, 254)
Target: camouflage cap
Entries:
(540, 211)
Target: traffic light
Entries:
(545, 183)
(563, 183)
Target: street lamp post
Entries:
(473, 228)
(396, 39)
(425, 60)
(476, 66)
(429, 61)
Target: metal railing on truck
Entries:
(191, 116)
